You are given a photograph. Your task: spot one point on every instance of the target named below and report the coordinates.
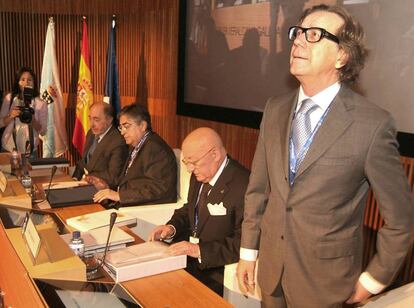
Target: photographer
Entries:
(23, 113)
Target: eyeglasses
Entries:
(194, 163)
(125, 126)
(312, 35)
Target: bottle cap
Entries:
(76, 234)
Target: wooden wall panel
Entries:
(151, 24)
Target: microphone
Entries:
(111, 225)
(54, 168)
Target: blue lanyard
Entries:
(295, 160)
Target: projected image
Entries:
(237, 51)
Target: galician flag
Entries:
(84, 96)
(55, 142)
(111, 83)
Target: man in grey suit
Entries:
(105, 150)
(319, 150)
(207, 229)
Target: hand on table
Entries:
(106, 194)
(184, 248)
(161, 233)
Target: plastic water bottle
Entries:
(77, 245)
(15, 163)
(27, 182)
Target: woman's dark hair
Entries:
(351, 40)
(137, 113)
(16, 88)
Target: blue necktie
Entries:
(301, 128)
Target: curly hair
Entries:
(351, 40)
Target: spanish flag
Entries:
(84, 94)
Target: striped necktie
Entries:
(301, 128)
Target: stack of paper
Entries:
(95, 240)
(99, 219)
(142, 260)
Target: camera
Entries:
(26, 112)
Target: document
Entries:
(99, 219)
(96, 238)
(142, 260)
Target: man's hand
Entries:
(161, 233)
(184, 248)
(245, 276)
(99, 183)
(106, 194)
(359, 294)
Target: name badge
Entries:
(194, 240)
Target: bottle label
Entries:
(78, 249)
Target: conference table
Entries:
(171, 289)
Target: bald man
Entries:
(105, 150)
(207, 228)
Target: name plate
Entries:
(31, 237)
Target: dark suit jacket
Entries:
(312, 231)
(108, 158)
(152, 177)
(219, 235)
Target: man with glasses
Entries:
(319, 150)
(105, 150)
(149, 175)
(207, 228)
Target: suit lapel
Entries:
(336, 122)
(99, 148)
(192, 198)
(140, 154)
(283, 125)
(216, 195)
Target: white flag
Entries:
(55, 142)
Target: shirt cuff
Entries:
(174, 232)
(370, 284)
(248, 254)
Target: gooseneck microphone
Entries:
(54, 168)
(111, 225)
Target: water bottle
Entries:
(27, 182)
(15, 163)
(77, 245)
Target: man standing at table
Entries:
(209, 224)
(105, 150)
(319, 150)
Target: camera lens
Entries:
(26, 115)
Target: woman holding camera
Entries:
(24, 114)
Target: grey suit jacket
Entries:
(108, 158)
(312, 232)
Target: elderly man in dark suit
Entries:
(105, 150)
(207, 228)
(319, 150)
(149, 175)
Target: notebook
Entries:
(69, 196)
